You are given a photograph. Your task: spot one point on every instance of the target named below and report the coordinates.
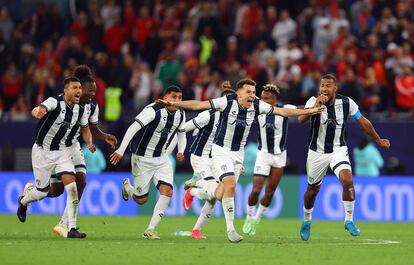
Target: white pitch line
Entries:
(368, 242)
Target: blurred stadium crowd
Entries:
(138, 48)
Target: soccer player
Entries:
(149, 135)
(238, 113)
(205, 126)
(271, 158)
(85, 75)
(327, 148)
(51, 151)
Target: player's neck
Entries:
(332, 101)
(68, 102)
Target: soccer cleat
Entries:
(305, 230)
(74, 233)
(60, 230)
(27, 187)
(195, 233)
(352, 229)
(21, 210)
(253, 228)
(151, 234)
(125, 195)
(188, 199)
(191, 182)
(234, 237)
(247, 226)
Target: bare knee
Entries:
(140, 200)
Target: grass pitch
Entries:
(118, 240)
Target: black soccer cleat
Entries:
(74, 233)
(21, 210)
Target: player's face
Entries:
(268, 97)
(246, 96)
(174, 97)
(328, 88)
(88, 92)
(73, 92)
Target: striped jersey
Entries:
(273, 132)
(92, 113)
(206, 123)
(158, 127)
(235, 122)
(328, 130)
(54, 128)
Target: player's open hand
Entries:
(163, 102)
(180, 157)
(111, 140)
(115, 158)
(226, 85)
(242, 170)
(91, 148)
(384, 143)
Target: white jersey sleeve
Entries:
(310, 103)
(289, 106)
(265, 108)
(146, 116)
(84, 119)
(202, 119)
(182, 139)
(353, 107)
(93, 118)
(219, 104)
(49, 104)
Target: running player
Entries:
(238, 113)
(270, 161)
(51, 151)
(327, 148)
(85, 75)
(149, 135)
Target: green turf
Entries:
(117, 240)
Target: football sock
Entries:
(250, 210)
(205, 214)
(199, 193)
(349, 210)
(159, 210)
(33, 195)
(307, 214)
(72, 204)
(228, 209)
(262, 209)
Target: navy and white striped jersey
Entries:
(158, 128)
(273, 132)
(54, 128)
(92, 112)
(328, 130)
(206, 123)
(235, 122)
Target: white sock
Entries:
(33, 195)
(159, 210)
(209, 186)
(262, 209)
(64, 219)
(307, 214)
(349, 210)
(72, 203)
(129, 189)
(228, 209)
(250, 210)
(199, 193)
(205, 214)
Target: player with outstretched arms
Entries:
(327, 148)
(147, 138)
(238, 113)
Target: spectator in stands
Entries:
(367, 159)
(404, 85)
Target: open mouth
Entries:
(325, 93)
(77, 97)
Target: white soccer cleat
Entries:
(125, 195)
(234, 237)
(151, 234)
(60, 230)
(27, 187)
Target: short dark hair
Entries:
(227, 92)
(272, 88)
(172, 88)
(69, 79)
(243, 82)
(84, 73)
(329, 76)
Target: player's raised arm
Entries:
(187, 104)
(45, 107)
(312, 102)
(287, 112)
